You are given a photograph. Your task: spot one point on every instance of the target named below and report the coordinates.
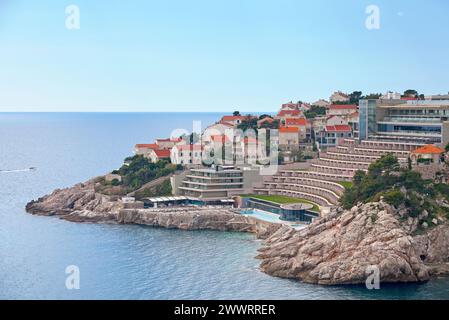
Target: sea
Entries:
(38, 254)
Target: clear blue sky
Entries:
(215, 55)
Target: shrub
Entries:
(394, 197)
(115, 182)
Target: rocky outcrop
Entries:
(433, 246)
(80, 200)
(81, 203)
(340, 248)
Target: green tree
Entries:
(410, 93)
(355, 97)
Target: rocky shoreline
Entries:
(81, 203)
(336, 249)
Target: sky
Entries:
(215, 55)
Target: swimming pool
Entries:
(270, 217)
(262, 215)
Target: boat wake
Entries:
(18, 170)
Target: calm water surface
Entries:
(125, 262)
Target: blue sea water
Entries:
(125, 262)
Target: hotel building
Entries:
(216, 183)
(417, 121)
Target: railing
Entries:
(326, 193)
(333, 186)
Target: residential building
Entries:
(303, 107)
(189, 154)
(234, 120)
(289, 138)
(389, 95)
(341, 109)
(290, 106)
(428, 160)
(335, 120)
(304, 126)
(158, 154)
(332, 134)
(218, 128)
(285, 114)
(144, 148)
(417, 121)
(339, 97)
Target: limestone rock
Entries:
(339, 249)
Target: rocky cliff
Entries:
(340, 248)
(81, 203)
(79, 200)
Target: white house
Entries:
(389, 95)
(158, 154)
(339, 97)
(186, 154)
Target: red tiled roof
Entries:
(339, 128)
(226, 123)
(147, 145)
(284, 113)
(343, 107)
(296, 122)
(162, 153)
(429, 149)
(232, 118)
(409, 98)
(289, 129)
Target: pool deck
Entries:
(272, 217)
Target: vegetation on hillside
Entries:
(400, 187)
(315, 111)
(159, 190)
(136, 172)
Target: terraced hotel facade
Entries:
(323, 181)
